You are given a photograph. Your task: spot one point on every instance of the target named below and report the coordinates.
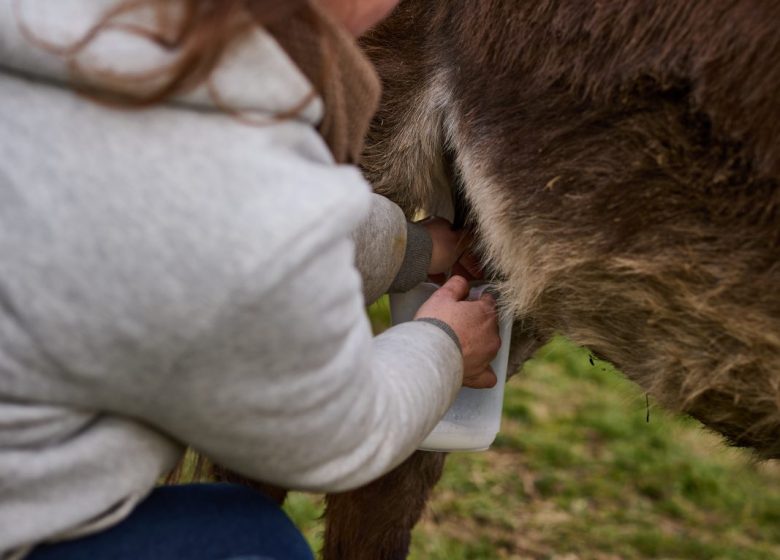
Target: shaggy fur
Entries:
(622, 161)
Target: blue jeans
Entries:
(192, 522)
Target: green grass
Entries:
(578, 473)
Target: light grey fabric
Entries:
(407, 248)
(175, 276)
(379, 274)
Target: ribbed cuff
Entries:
(417, 259)
(445, 327)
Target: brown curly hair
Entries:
(197, 32)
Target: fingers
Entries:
(483, 380)
(488, 298)
(468, 272)
(470, 264)
(456, 288)
(445, 243)
(465, 239)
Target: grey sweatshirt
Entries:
(173, 277)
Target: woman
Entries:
(195, 274)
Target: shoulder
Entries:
(153, 218)
(271, 183)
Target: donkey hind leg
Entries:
(375, 522)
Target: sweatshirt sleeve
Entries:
(391, 254)
(293, 389)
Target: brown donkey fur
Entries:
(621, 161)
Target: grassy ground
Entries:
(578, 473)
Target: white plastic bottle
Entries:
(473, 420)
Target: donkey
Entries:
(619, 163)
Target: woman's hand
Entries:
(451, 254)
(475, 323)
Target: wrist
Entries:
(416, 261)
(445, 327)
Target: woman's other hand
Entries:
(451, 254)
(474, 322)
